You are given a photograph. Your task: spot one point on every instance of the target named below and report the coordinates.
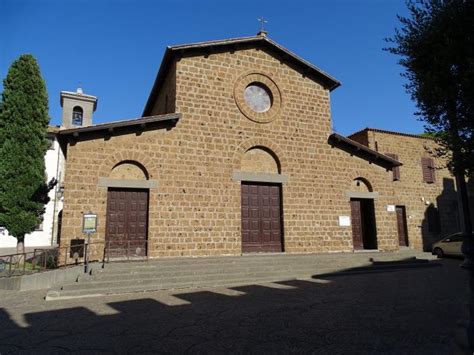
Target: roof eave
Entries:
(362, 151)
(111, 126)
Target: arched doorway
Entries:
(364, 229)
(261, 201)
(127, 211)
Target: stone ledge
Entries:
(356, 194)
(260, 177)
(127, 183)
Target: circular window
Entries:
(258, 97)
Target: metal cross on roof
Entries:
(262, 23)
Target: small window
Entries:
(50, 143)
(77, 114)
(39, 227)
(428, 170)
(395, 169)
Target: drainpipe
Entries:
(53, 230)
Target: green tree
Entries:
(23, 127)
(436, 46)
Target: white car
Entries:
(450, 245)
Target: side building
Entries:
(78, 110)
(45, 234)
(423, 189)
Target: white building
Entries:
(46, 233)
(77, 111)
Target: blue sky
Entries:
(114, 48)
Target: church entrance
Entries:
(261, 217)
(364, 232)
(402, 226)
(127, 222)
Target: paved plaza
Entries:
(401, 311)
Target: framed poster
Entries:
(344, 221)
(89, 223)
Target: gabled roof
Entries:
(260, 41)
(362, 151)
(368, 129)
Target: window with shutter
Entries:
(396, 169)
(428, 170)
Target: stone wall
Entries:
(195, 208)
(419, 198)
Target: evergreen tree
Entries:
(436, 45)
(23, 127)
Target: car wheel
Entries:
(438, 252)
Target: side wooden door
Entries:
(356, 221)
(402, 226)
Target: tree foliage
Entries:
(436, 45)
(23, 128)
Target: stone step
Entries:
(180, 277)
(121, 267)
(200, 268)
(56, 294)
(163, 266)
(209, 281)
(181, 273)
(236, 269)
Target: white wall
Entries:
(44, 237)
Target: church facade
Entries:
(234, 153)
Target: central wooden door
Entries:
(127, 222)
(261, 218)
(402, 226)
(364, 231)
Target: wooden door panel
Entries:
(261, 227)
(356, 216)
(401, 226)
(127, 219)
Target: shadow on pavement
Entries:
(405, 311)
(385, 266)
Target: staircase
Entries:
(179, 273)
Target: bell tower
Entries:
(77, 108)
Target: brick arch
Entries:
(255, 143)
(117, 157)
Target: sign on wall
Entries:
(390, 208)
(344, 221)
(89, 223)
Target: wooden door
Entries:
(127, 222)
(356, 220)
(261, 217)
(402, 226)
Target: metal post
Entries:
(86, 254)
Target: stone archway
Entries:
(364, 230)
(261, 143)
(128, 183)
(260, 160)
(261, 200)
